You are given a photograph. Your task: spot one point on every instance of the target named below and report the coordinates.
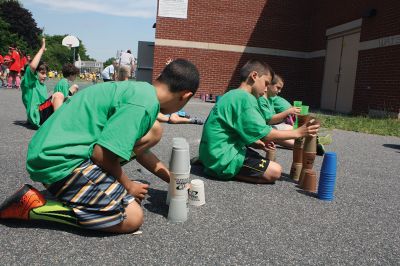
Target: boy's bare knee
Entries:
(57, 96)
(132, 222)
(273, 172)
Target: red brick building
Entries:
(333, 54)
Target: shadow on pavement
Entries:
(309, 194)
(24, 123)
(55, 227)
(156, 202)
(393, 146)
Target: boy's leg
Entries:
(57, 99)
(132, 222)
(257, 169)
(289, 143)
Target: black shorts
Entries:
(45, 110)
(254, 164)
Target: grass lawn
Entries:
(379, 126)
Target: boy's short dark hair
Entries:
(42, 66)
(276, 79)
(69, 70)
(260, 67)
(180, 75)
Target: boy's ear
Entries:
(186, 95)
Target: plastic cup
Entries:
(310, 144)
(308, 159)
(295, 171)
(271, 155)
(178, 211)
(171, 190)
(180, 160)
(304, 110)
(302, 119)
(327, 179)
(297, 155)
(309, 181)
(329, 163)
(196, 193)
(296, 104)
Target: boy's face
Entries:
(72, 77)
(274, 90)
(42, 75)
(260, 84)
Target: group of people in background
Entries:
(12, 67)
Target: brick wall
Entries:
(288, 25)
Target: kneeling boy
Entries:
(77, 153)
(235, 124)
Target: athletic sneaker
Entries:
(196, 121)
(19, 205)
(320, 149)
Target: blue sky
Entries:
(103, 26)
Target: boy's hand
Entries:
(43, 44)
(259, 145)
(74, 89)
(294, 111)
(270, 146)
(309, 129)
(138, 190)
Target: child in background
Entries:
(235, 125)
(78, 153)
(276, 110)
(69, 75)
(15, 68)
(34, 92)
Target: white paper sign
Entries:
(173, 8)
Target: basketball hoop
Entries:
(70, 41)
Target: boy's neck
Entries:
(246, 87)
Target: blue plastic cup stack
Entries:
(327, 178)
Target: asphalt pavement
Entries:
(241, 224)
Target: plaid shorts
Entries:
(97, 198)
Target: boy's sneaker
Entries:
(196, 121)
(19, 205)
(320, 149)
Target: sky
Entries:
(103, 26)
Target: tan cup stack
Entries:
(297, 164)
(308, 179)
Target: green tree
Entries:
(21, 22)
(7, 38)
(109, 61)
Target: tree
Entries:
(7, 38)
(21, 22)
(109, 61)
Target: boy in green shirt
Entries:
(38, 106)
(78, 153)
(69, 75)
(235, 124)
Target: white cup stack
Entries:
(179, 167)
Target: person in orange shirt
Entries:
(15, 68)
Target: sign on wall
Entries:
(173, 8)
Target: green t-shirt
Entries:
(34, 93)
(233, 123)
(280, 104)
(266, 107)
(114, 115)
(62, 86)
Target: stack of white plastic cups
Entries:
(179, 166)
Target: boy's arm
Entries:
(35, 61)
(109, 162)
(150, 161)
(281, 116)
(310, 129)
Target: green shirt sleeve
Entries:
(265, 108)
(62, 86)
(251, 126)
(128, 124)
(281, 104)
